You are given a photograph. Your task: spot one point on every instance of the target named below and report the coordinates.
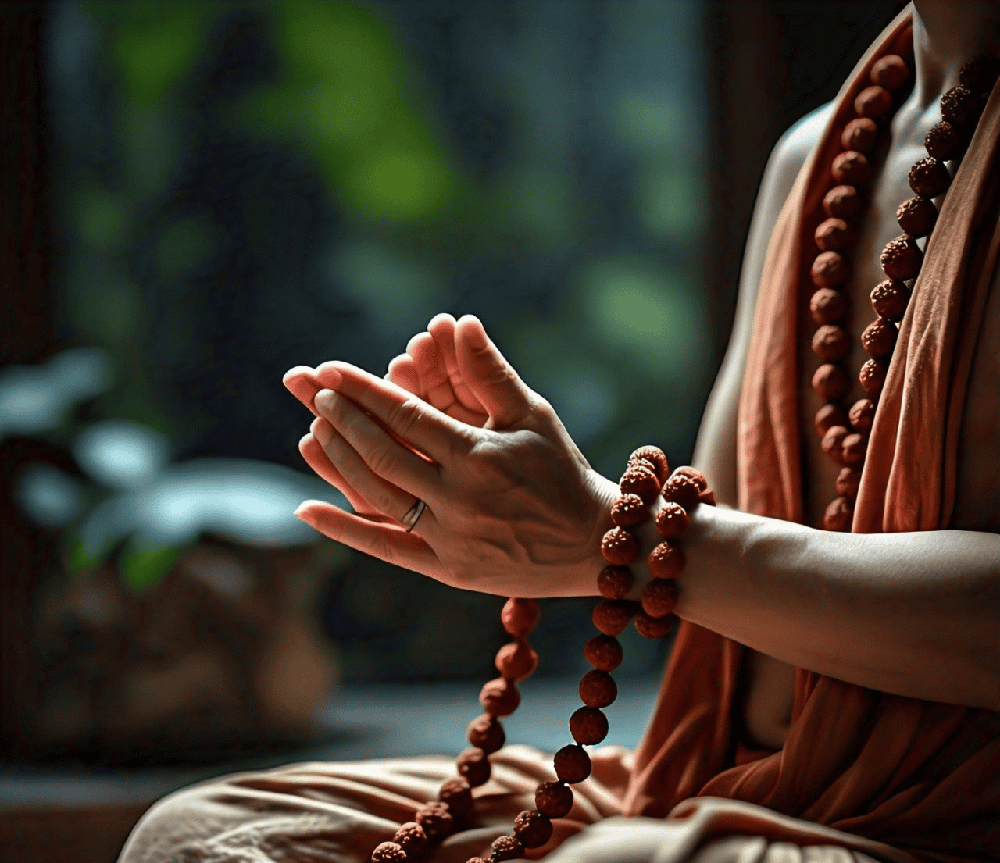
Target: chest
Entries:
(977, 502)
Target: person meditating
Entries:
(834, 561)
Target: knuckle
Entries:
(402, 417)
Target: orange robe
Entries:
(892, 777)
(920, 776)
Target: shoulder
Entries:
(790, 154)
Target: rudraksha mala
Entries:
(845, 432)
(646, 477)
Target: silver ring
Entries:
(413, 514)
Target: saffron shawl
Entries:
(919, 779)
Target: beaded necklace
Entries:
(844, 434)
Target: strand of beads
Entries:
(835, 238)
(645, 478)
(500, 697)
(845, 435)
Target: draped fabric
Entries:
(921, 777)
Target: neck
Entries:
(947, 33)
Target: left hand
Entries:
(512, 510)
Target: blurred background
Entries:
(200, 194)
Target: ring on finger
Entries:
(409, 521)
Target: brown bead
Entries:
(844, 202)
(435, 818)
(532, 828)
(474, 767)
(672, 520)
(879, 338)
(834, 234)
(505, 848)
(598, 689)
(629, 510)
(862, 415)
(499, 697)
(827, 306)
(848, 482)
(960, 105)
(695, 474)
(853, 448)
(520, 616)
(655, 458)
(611, 616)
(653, 627)
(619, 547)
(588, 725)
(929, 177)
(917, 216)
(614, 582)
(832, 442)
(554, 799)
(890, 72)
(516, 660)
(901, 258)
(572, 764)
(486, 733)
(412, 838)
(388, 852)
(828, 416)
(830, 269)
(604, 652)
(831, 343)
(979, 74)
(666, 560)
(838, 515)
(456, 794)
(945, 142)
(874, 102)
(851, 168)
(890, 299)
(659, 597)
(682, 489)
(872, 376)
(860, 134)
(830, 382)
(639, 479)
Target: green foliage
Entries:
(143, 564)
(346, 96)
(154, 44)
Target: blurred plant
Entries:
(128, 498)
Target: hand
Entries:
(430, 369)
(513, 510)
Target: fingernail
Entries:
(302, 512)
(325, 399)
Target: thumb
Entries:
(492, 380)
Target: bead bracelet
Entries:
(646, 478)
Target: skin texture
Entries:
(513, 507)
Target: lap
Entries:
(337, 813)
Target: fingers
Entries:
(301, 383)
(386, 542)
(385, 493)
(490, 377)
(403, 373)
(311, 448)
(369, 412)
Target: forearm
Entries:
(913, 614)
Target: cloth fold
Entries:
(921, 778)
